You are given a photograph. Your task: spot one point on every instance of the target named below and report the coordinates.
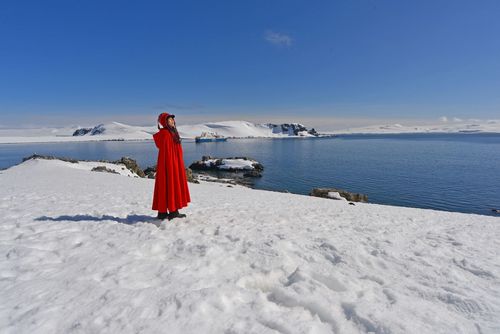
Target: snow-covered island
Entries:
(81, 253)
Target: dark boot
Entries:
(176, 214)
(162, 215)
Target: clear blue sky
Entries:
(367, 59)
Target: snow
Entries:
(240, 164)
(457, 126)
(81, 254)
(336, 195)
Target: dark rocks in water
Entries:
(252, 173)
(49, 157)
(131, 164)
(104, 169)
(81, 131)
(495, 210)
(212, 169)
(209, 163)
(352, 197)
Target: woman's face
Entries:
(171, 122)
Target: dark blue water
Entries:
(454, 172)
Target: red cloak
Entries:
(171, 189)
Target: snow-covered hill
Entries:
(117, 129)
(491, 126)
(108, 131)
(80, 254)
(243, 129)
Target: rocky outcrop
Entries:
(332, 194)
(190, 176)
(292, 129)
(233, 164)
(150, 173)
(96, 130)
(132, 165)
(129, 163)
(233, 170)
(49, 157)
(81, 131)
(104, 169)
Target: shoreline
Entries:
(333, 135)
(230, 182)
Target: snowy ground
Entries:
(80, 255)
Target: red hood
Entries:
(162, 119)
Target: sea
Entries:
(452, 172)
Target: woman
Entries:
(171, 190)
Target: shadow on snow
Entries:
(129, 220)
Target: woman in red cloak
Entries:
(171, 189)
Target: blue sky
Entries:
(358, 61)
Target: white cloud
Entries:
(443, 119)
(456, 119)
(277, 38)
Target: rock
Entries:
(81, 131)
(104, 169)
(132, 165)
(313, 132)
(49, 157)
(150, 172)
(291, 129)
(252, 173)
(190, 176)
(208, 163)
(496, 210)
(352, 197)
(97, 130)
